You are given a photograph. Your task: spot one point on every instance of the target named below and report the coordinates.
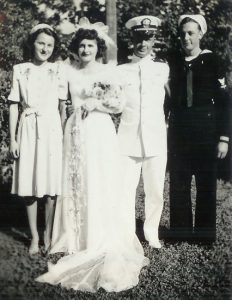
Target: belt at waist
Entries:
(37, 114)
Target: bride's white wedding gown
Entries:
(91, 217)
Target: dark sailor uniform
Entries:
(198, 116)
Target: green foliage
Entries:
(16, 19)
(5, 162)
(18, 16)
(218, 15)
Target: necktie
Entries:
(189, 85)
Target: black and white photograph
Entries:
(116, 153)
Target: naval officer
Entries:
(142, 130)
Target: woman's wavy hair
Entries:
(28, 45)
(89, 34)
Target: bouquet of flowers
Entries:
(108, 94)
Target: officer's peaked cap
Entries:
(143, 24)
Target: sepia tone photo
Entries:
(115, 165)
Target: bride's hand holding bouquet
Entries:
(103, 96)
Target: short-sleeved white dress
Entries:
(38, 89)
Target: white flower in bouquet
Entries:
(107, 93)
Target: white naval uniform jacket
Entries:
(142, 130)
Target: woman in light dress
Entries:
(91, 217)
(37, 148)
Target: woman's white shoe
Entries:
(34, 247)
(155, 244)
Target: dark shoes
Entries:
(202, 237)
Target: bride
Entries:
(90, 223)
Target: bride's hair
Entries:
(89, 34)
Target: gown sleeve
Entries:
(14, 95)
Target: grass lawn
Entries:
(176, 271)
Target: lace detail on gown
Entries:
(74, 191)
(69, 233)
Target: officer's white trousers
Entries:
(153, 172)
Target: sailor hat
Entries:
(199, 19)
(143, 24)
